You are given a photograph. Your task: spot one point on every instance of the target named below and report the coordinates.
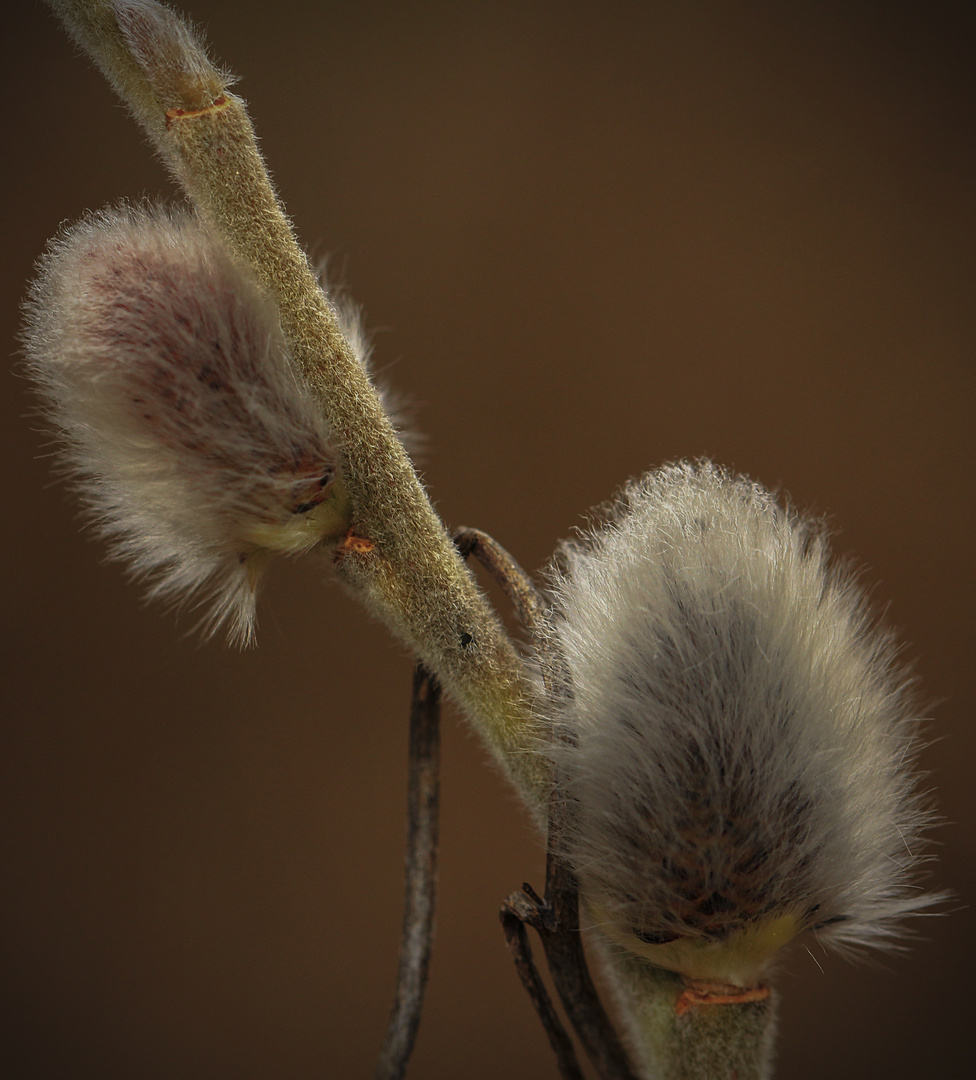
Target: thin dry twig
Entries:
(556, 920)
(563, 945)
(516, 584)
(518, 910)
(420, 895)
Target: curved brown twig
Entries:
(420, 894)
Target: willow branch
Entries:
(399, 558)
(687, 1037)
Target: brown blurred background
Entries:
(590, 238)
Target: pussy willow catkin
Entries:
(190, 434)
(739, 738)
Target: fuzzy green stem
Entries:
(402, 564)
(728, 1041)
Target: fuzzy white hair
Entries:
(739, 736)
(195, 443)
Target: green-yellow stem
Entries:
(407, 570)
(676, 1037)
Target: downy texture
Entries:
(196, 445)
(738, 738)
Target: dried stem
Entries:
(556, 920)
(516, 584)
(519, 910)
(420, 895)
(563, 945)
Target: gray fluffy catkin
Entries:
(739, 738)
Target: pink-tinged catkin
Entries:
(193, 440)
